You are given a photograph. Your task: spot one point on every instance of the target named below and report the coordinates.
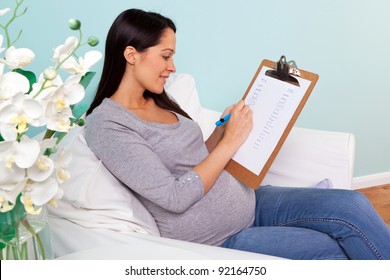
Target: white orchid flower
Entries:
(43, 89)
(9, 193)
(44, 166)
(59, 195)
(63, 51)
(9, 173)
(84, 64)
(58, 120)
(4, 11)
(40, 92)
(12, 83)
(16, 116)
(42, 169)
(15, 157)
(27, 171)
(70, 91)
(21, 154)
(38, 194)
(18, 58)
(58, 110)
(56, 90)
(62, 162)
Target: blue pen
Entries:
(221, 121)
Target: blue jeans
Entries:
(309, 223)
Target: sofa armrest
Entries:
(309, 156)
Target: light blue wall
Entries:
(221, 43)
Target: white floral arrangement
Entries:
(31, 170)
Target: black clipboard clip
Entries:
(284, 71)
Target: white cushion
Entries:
(182, 88)
(95, 199)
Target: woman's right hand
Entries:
(239, 125)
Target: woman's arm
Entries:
(233, 135)
(215, 138)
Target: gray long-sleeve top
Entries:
(155, 161)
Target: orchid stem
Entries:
(35, 235)
(14, 16)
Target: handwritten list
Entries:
(273, 103)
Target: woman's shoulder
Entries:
(105, 121)
(102, 119)
(106, 106)
(107, 111)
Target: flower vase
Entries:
(24, 236)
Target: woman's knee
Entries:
(354, 200)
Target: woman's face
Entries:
(156, 64)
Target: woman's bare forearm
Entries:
(214, 138)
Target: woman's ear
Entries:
(129, 54)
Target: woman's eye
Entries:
(166, 57)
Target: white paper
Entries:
(273, 103)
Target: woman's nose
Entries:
(171, 67)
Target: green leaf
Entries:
(87, 78)
(29, 75)
(79, 110)
(1, 138)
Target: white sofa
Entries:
(88, 226)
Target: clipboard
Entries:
(287, 89)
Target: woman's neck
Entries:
(130, 97)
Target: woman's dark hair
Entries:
(140, 30)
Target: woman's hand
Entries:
(239, 125)
(219, 131)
